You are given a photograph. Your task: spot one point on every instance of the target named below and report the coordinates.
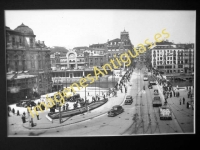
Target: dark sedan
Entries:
(129, 100)
(116, 110)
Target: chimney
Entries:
(43, 42)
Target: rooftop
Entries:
(24, 29)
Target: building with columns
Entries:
(28, 64)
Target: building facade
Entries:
(173, 58)
(28, 64)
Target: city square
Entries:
(112, 88)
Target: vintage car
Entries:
(150, 86)
(129, 100)
(156, 101)
(73, 98)
(115, 111)
(26, 103)
(156, 92)
(145, 78)
(165, 113)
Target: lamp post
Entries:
(99, 85)
(60, 115)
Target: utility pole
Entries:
(99, 85)
(60, 115)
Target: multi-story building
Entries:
(95, 57)
(173, 58)
(28, 64)
(116, 46)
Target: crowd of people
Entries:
(169, 91)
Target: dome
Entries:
(24, 29)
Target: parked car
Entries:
(129, 100)
(156, 101)
(26, 103)
(115, 111)
(165, 113)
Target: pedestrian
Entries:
(183, 100)
(18, 113)
(9, 109)
(67, 105)
(37, 116)
(63, 107)
(104, 97)
(23, 119)
(98, 98)
(88, 94)
(187, 105)
(180, 101)
(13, 111)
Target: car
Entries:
(129, 100)
(26, 103)
(116, 110)
(30, 104)
(150, 86)
(156, 92)
(165, 113)
(156, 101)
(145, 78)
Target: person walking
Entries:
(183, 100)
(180, 101)
(37, 116)
(18, 113)
(63, 107)
(23, 118)
(13, 111)
(188, 94)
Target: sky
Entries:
(73, 28)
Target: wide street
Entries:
(138, 118)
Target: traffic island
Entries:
(73, 112)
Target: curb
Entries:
(73, 122)
(76, 121)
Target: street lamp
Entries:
(99, 85)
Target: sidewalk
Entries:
(184, 116)
(44, 123)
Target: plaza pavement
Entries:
(15, 122)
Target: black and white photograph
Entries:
(100, 72)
